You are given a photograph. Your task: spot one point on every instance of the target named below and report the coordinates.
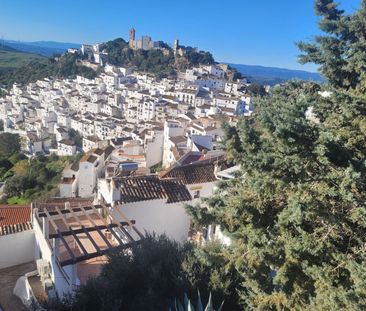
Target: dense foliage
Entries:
(340, 51)
(26, 179)
(153, 275)
(297, 213)
(197, 58)
(75, 137)
(65, 66)
(256, 89)
(9, 144)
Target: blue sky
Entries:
(260, 32)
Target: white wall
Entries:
(206, 190)
(61, 277)
(17, 248)
(159, 217)
(86, 179)
(154, 150)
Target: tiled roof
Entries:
(178, 139)
(75, 166)
(99, 151)
(67, 180)
(9, 229)
(14, 218)
(190, 158)
(108, 151)
(144, 188)
(193, 173)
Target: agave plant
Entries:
(188, 306)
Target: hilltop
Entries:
(161, 62)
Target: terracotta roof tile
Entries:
(14, 218)
(144, 188)
(193, 173)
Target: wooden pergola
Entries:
(114, 235)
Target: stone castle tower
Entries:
(132, 37)
(176, 46)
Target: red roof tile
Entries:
(15, 218)
(14, 214)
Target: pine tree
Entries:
(341, 51)
(297, 214)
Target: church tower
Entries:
(132, 37)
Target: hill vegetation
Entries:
(27, 180)
(65, 66)
(296, 212)
(162, 64)
(11, 58)
(158, 62)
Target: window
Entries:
(196, 194)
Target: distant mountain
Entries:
(7, 48)
(273, 75)
(45, 48)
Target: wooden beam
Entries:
(98, 230)
(95, 245)
(123, 216)
(74, 234)
(93, 255)
(71, 253)
(62, 217)
(67, 211)
(79, 242)
(129, 222)
(78, 231)
(53, 224)
(86, 230)
(129, 237)
(138, 232)
(109, 225)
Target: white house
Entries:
(66, 147)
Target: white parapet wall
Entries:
(17, 248)
(156, 216)
(61, 277)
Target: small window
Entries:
(196, 194)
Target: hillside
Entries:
(33, 70)
(11, 58)
(161, 63)
(273, 75)
(158, 62)
(45, 48)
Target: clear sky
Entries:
(260, 32)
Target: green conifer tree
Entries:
(297, 213)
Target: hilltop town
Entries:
(146, 147)
(141, 175)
